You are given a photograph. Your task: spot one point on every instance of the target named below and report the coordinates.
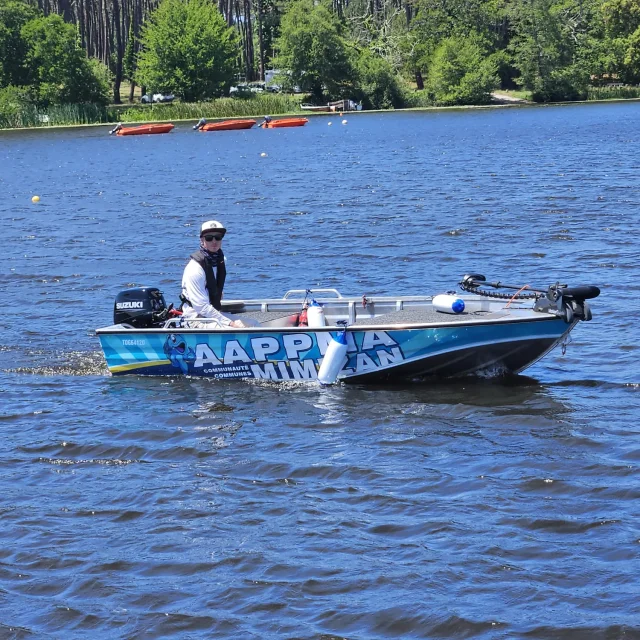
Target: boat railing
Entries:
(305, 292)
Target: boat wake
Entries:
(590, 383)
(73, 363)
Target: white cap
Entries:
(212, 226)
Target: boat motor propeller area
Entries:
(140, 308)
(558, 299)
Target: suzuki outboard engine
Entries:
(144, 307)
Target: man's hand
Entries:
(238, 324)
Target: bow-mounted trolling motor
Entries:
(560, 300)
(141, 308)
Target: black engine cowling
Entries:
(140, 308)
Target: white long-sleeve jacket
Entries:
(194, 289)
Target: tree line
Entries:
(383, 52)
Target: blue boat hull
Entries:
(385, 353)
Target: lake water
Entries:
(154, 507)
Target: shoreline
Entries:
(504, 105)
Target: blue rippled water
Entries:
(187, 508)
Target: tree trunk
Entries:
(119, 52)
(419, 80)
(260, 42)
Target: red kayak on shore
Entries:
(228, 125)
(142, 130)
(284, 122)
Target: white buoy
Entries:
(329, 123)
(446, 303)
(334, 359)
(263, 155)
(315, 315)
(344, 122)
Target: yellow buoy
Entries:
(35, 199)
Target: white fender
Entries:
(334, 359)
(315, 315)
(447, 303)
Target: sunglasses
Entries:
(210, 238)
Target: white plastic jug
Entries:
(446, 303)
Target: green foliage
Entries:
(621, 17)
(460, 72)
(188, 50)
(459, 49)
(378, 86)
(13, 101)
(419, 99)
(54, 66)
(562, 84)
(632, 55)
(621, 20)
(552, 49)
(102, 78)
(313, 50)
(14, 14)
(438, 20)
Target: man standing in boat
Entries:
(203, 282)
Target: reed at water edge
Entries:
(613, 93)
(79, 114)
(58, 115)
(259, 105)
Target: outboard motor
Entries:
(141, 308)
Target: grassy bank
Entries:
(68, 114)
(258, 105)
(27, 116)
(613, 93)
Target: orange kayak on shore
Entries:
(228, 125)
(143, 129)
(284, 122)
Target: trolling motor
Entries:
(558, 299)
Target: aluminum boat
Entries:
(387, 337)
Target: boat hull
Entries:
(284, 122)
(228, 125)
(145, 129)
(315, 108)
(374, 354)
